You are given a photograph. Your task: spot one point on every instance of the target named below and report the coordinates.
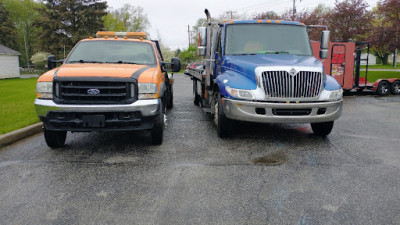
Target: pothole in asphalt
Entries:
(273, 159)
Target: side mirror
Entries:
(175, 64)
(202, 41)
(202, 38)
(323, 53)
(51, 62)
(201, 51)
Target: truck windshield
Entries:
(244, 39)
(124, 52)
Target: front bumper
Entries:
(266, 112)
(139, 115)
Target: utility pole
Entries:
(294, 9)
(189, 34)
(231, 12)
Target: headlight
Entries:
(44, 90)
(333, 95)
(147, 90)
(239, 93)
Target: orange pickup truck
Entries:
(117, 81)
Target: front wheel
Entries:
(157, 132)
(55, 139)
(224, 124)
(322, 129)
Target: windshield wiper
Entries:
(272, 52)
(84, 61)
(122, 62)
(245, 54)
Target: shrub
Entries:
(40, 60)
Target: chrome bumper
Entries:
(148, 107)
(246, 111)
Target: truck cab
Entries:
(264, 71)
(117, 81)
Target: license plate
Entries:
(93, 120)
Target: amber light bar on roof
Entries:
(111, 34)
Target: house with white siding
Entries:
(9, 63)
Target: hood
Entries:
(246, 64)
(103, 70)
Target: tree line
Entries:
(348, 20)
(54, 26)
(36, 29)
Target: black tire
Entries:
(157, 132)
(346, 92)
(322, 129)
(383, 88)
(395, 88)
(224, 124)
(55, 139)
(170, 99)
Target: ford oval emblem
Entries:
(93, 91)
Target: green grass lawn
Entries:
(375, 75)
(380, 66)
(16, 104)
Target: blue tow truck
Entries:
(264, 71)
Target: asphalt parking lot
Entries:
(264, 174)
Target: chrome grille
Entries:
(280, 84)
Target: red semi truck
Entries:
(343, 63)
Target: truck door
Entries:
(338, 56)
(218, 55)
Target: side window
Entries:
(219, 47)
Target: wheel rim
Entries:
(384, 88)
(396, 88)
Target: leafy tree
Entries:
(127, 18)
(385, 36)
(189, 55)
(177, 52)
(318, 16)
(167, 52)
(40, 60)
(271, 15)
(349, 20)
(24, 13)
(8, 35)
(112, 23)
(65, 22)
